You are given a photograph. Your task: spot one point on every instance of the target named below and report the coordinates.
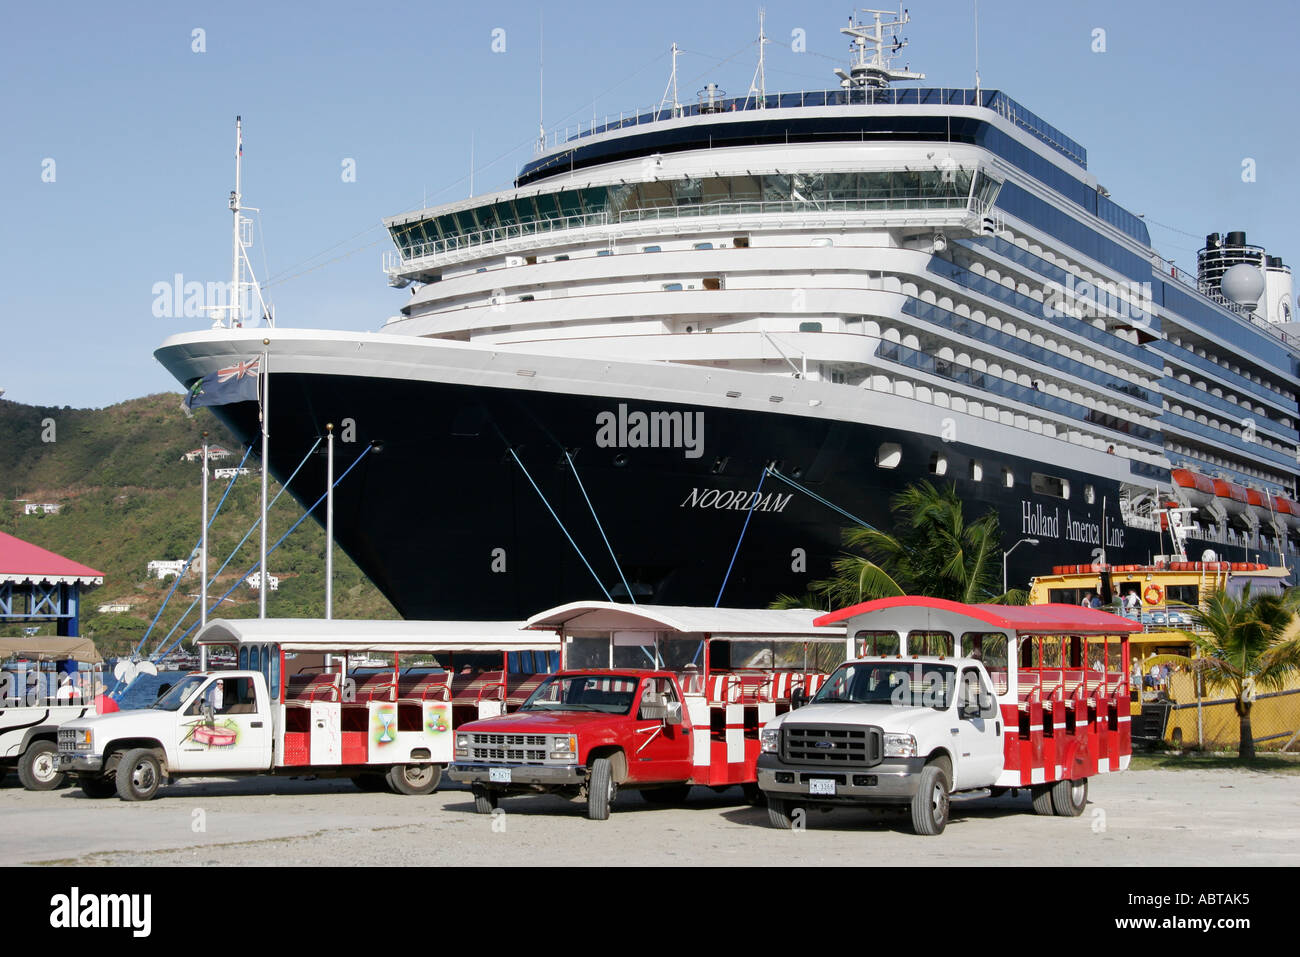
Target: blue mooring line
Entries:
(301, 519)
(748, 515)
(617, 566)
(542, 496)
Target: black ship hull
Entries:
(447, 523)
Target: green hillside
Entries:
(128, 498)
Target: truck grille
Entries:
(831, 745)
(67, 741)
(508, 748)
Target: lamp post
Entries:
(1031, 541)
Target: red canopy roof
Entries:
(22, 562)
(1036, 619)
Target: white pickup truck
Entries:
(890, 730)
(220, 724)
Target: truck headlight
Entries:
(82, 739)
(900, 746)
(771, 740)
(462, 744)
(564, 747)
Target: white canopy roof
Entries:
(316, 634)
(717, 622)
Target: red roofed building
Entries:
(38, 585)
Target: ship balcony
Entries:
(949, 213)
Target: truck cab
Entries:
(945, 699)
(44, 682)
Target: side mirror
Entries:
(798, 699)
(209, 715)
(673, 714)
(970, 711)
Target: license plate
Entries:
(499, 775)
(821, 786)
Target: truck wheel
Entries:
(930, 803)
(1042, 795)
(97, 787)
(485, 799)
(38, 768)
(778, 814)
(139, 775)
(1069, 797)
(601, 789)
(676, 794)
(414, 778)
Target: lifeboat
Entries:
(1259, 506)
(1232, 497)
(1194, 488)
(1288, 511)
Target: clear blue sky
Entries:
(140, 129)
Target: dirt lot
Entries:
(1145, 817)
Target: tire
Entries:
(601, 790)
(1070, 797)
(97, 787)
(930, 803)
(38, 768)
(370, 783)
(676, 794)
(1042, 796)
(754, 795)
(414, 778)
(485, 799)
(139, 775)
(778, 814)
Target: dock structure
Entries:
(37, 585)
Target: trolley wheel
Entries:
(38, 768)
(1069, 797)
(485, 799)
(778, 814)
(601, 789)
(1042, 794)
(930, 803)
(414, 778)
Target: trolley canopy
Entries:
(24, 563)
(715, 622)
(50, 649)
(315, 634)
(910, 612)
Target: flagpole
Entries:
(203, 560)
(329, 520)
(264, 378)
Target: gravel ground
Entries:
(1157, 817)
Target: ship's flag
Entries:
(236, 383)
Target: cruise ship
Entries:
(692, 344)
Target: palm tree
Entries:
(1245, 644)
(934, 551)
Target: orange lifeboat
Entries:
(1196, 489)
(1231, 496)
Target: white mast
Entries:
(977, 46)
(241, 267)
(759, 83)
(876, 72)
(672, 85)
(264, 380)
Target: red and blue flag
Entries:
(234, 383)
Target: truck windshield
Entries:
(608, 694)
(904, 684)
(175, 697)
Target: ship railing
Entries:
(1167, 268)
(409, 258)
(994, 100)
